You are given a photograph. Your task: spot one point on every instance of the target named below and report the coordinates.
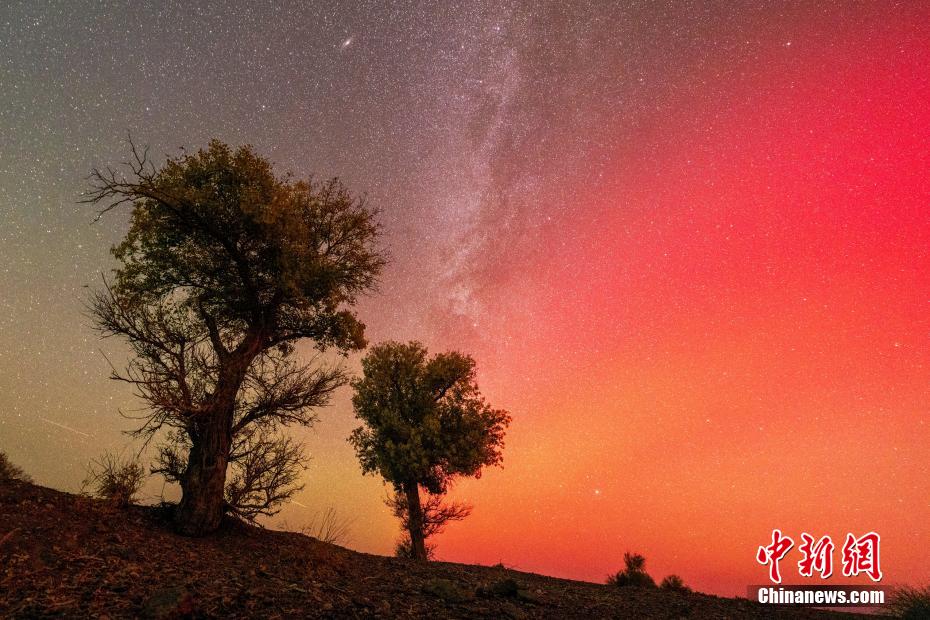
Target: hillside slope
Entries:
(69, 556)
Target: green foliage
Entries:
(224, 237)
(425, 424)
(634, 573)
(226, 266)
(424, 418)
(115, 479)
(675, 583)
(9, 471)
(910, 603)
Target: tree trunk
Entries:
(415, 521)
(203, 485)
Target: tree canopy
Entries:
(425, 423)
(226, 266)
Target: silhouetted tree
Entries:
(675, 583)
(910, 603)
(9, 471)
(633, 574)
(225, 267)
(425, 423)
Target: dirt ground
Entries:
(63, 555)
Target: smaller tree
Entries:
(9, 471)
(674, 583)
(633, 574)
(910, 603)
(425, 424)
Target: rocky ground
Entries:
(63, 555)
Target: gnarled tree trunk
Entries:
(203, 485)
(415, 521)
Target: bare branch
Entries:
(436, 514)
(329, 527)
(266, 473)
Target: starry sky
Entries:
(687, 242)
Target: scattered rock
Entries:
(512, 611)
(168, 604)
(509, 588)
(444, 589)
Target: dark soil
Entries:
(64, 555)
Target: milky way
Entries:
(687, 244)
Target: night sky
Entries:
(687, 243)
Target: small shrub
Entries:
(329, 527)
(910, 603)
(635, 579)
(9, 471)
(115, 479)
(634, 574)
(674, 583)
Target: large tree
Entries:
(425, 424)
(225, 267)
